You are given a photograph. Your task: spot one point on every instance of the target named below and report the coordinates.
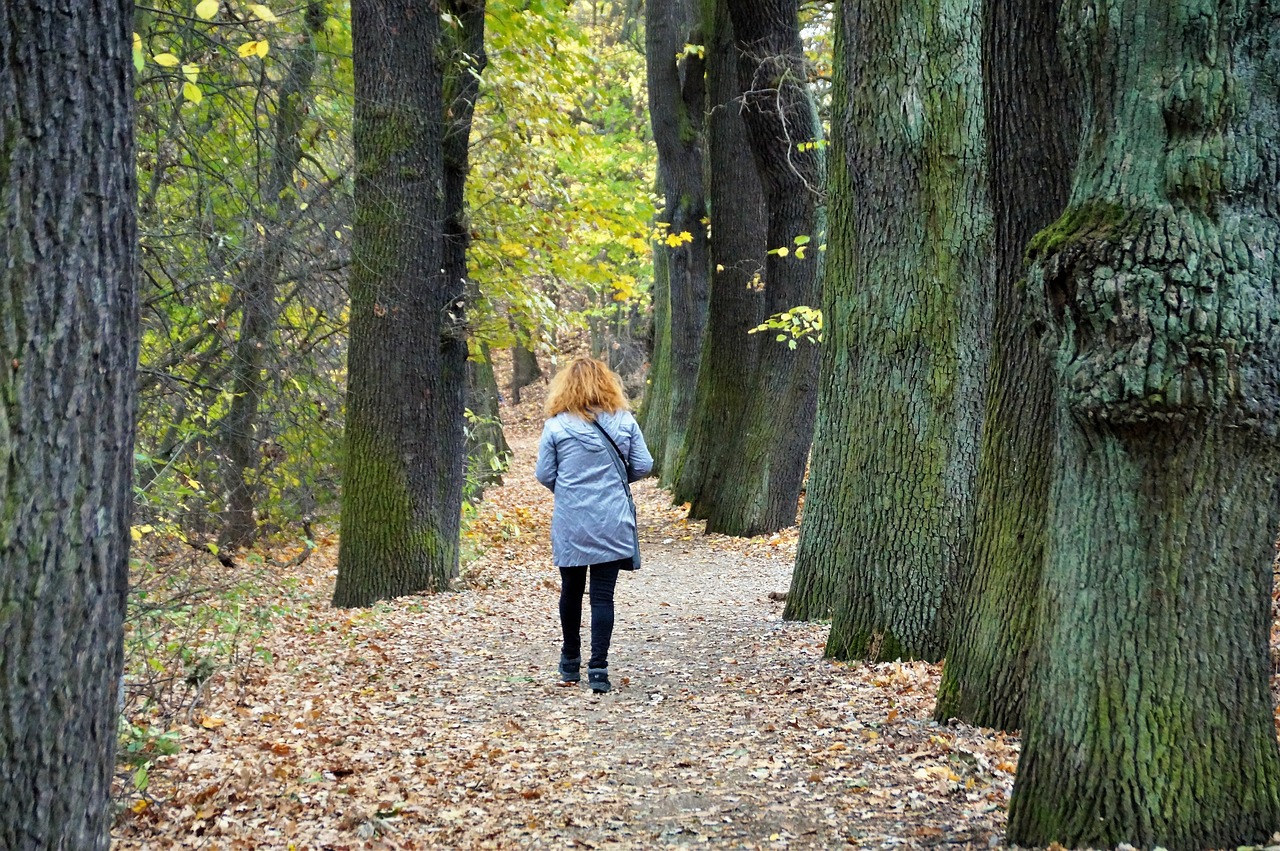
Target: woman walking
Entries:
(590, 452)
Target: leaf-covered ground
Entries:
(437, 721)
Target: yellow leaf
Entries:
(192, 92)
(263, 12)
(166, 60)
(137, 42)
(263, 47)
(207, 9)
(211, 723)
(139, 805)
(247, 49)
(191, 71)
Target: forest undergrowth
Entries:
(275, 721)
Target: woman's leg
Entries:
(604, 577)
(573, 581)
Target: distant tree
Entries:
(710, 462)
(786, 143)
(744, 469)
(888, 511)
(1150, 715)
(402, 489)
(677, 111)
(243, 123)
(488, 453)
(242, 446)
(68, 351)
(1032, 131)
(524, 368)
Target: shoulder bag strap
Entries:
(626, 479)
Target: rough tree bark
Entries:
(677, 111)
(709, 460)
(258, 282)
(1150, 717)
(68, 353)
(486, 444)
(889, 509)
(1032, 124)
(402, 492)
(784, 133)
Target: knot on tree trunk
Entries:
(1159, 315)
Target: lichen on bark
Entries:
(1150, 717)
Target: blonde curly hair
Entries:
(586, 387)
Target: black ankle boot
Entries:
(569, 669)
(598, 679)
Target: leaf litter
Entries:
(436, 721)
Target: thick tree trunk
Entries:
(1032, 125)
(258, 319)
(68, 352)
(1150, 718)
(709, 467)
(402, 489)
(889, 509)
(677, 104)
(783, 132)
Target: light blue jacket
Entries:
(592, 522)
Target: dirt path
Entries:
(436, 722)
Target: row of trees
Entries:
(1046, 408)
(199, 183)
(1045, 403)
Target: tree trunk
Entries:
(524, 369)
(889, 509)
(1150, 718)
(258, 319)
(1032, 132)
(488, 453)
(402, 492)
(654, 415)
(709, 466)
(486, 445)
(677, 104)
(68, 353)
(783, 132)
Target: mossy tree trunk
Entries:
(1032, 124)
(677, 105)
(783, 131)
(710, 460)
(889, 509)
(68, 354)
(402, 490)
(1150, 718)
(258, 293)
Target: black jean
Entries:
(573, 581)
